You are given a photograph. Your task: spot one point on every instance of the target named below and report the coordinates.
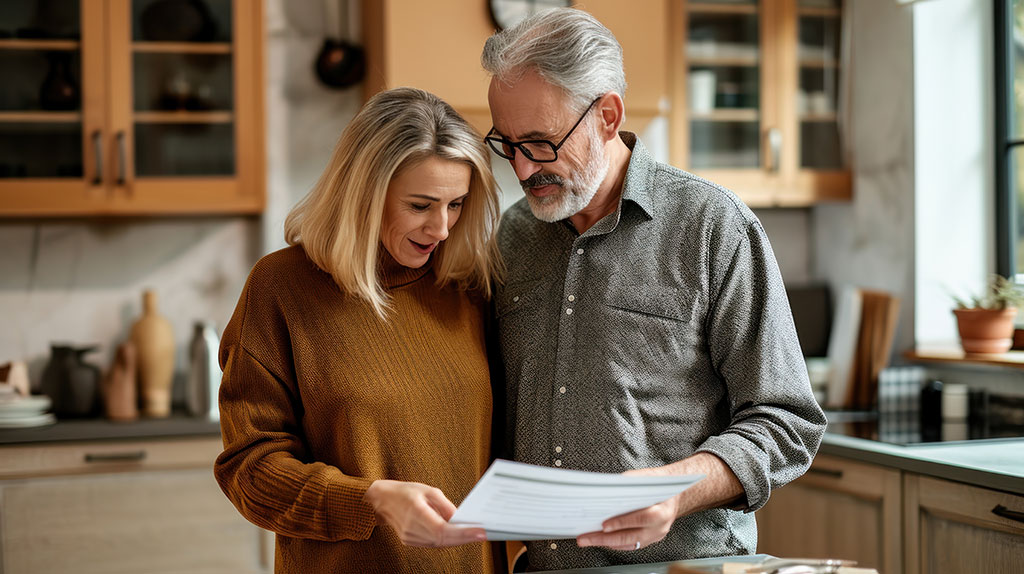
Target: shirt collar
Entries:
(639, 174)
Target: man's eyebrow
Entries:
(534, 135)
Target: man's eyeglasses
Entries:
(537, 151)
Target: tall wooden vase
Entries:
(154, 343)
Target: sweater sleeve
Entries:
(776, 425)
(266, 469)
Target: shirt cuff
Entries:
(351, 517)
(749, 468)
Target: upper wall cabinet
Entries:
(436, 46)
(756, 98)
(131, 107)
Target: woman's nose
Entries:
(437, 225)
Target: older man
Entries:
(644, 325)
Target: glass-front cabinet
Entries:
(130, 107)
(757, 96)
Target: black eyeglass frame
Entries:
(496, 142)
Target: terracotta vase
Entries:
(120, 398)
(154, 342)
(985, 330)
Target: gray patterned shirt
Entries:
(662, 331)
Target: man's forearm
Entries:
(720, 486)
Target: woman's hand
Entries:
(419, 514)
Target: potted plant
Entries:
(986, 322)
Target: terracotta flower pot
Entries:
(985, 330)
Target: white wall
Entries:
(953, 111)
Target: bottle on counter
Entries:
(204, 373)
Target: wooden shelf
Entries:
(820, 12)
(41, 117)
(727, 115)
(956, 355)
(181, 48)
(707, 8)
(731, 62)
(183, 117)
(48, 45)
(817, 118)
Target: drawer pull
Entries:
(116, 456)
(1014, 515)
(836, 474)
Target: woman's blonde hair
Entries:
(338, 223)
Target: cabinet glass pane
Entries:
(40, 150)
(176, 82)
(169, 150)
(1016, 98)
(818, 95)
(1016, 168)
(40, 19)
(37, 80)
(181, 21)
(723, 84)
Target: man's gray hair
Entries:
(567, 47)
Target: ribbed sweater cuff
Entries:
(351, 518)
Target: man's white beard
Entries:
(578, 190)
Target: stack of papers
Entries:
(516, 501)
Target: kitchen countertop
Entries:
(660, 567)
(177, 425)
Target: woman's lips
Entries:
(424, 249)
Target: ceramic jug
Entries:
(154, 342)
(70, 382)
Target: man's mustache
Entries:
(541, 179)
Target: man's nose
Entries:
(523, 166)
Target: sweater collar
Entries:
(393, 274)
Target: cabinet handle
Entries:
(120, 158)
(132, 456)
(1014, 515)
(97, 150)
(836, 474)
(775, 148)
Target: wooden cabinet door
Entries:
(839, 509)
(953, 528)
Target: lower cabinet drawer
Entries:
(134, 522)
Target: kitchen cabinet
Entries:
(838, 509)
(122, 506)
(955, 528)
(131, 107)
(757, 98)
(436, 46)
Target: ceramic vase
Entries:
(119, 392)
(70, 382)
(154, 342)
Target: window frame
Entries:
(1006, 204)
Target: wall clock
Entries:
(508, 13)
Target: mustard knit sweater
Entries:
(320, 398)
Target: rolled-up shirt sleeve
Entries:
(775, 423)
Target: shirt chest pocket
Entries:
(518, 297)
(668, 303)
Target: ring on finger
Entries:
(637, 547)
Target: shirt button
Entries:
(561, 390)
(558, 449)
(579, 252)
(572, 297)
(568, 311)
(554, 546)
(515, 299)
(558, 462)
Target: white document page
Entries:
(516, 501)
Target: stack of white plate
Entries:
(18, 412)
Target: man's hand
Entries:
(646, 526)
(418, 514)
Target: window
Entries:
(1009, 77)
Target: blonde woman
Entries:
(356, 401)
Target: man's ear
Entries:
(611, 113)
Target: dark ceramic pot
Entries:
(59, 90)
(71, 383)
